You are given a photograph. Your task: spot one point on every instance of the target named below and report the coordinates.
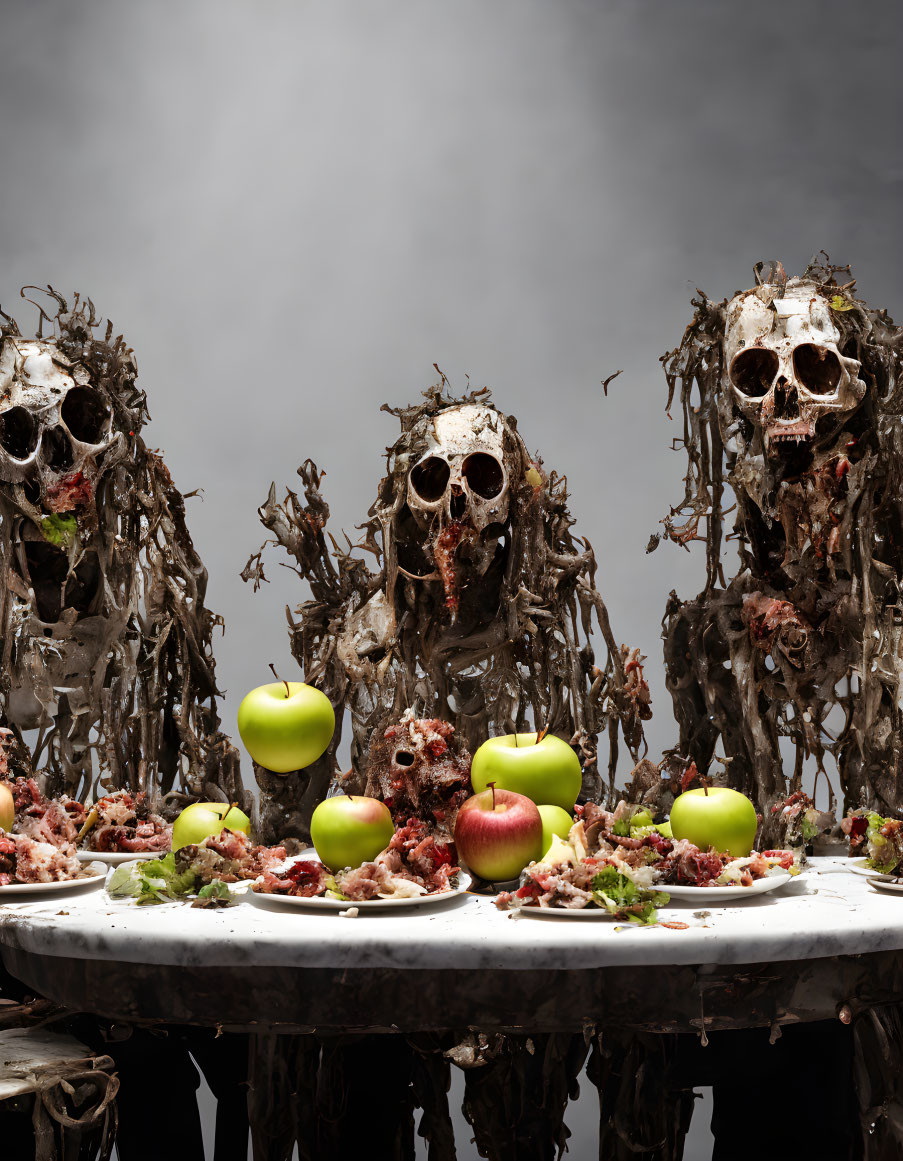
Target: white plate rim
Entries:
(322, 904)
(759, 887)
(58, 885)
(886, 883)
(591, 911)
(858, 867)
(115, 858)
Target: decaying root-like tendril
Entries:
(791, 398)
(108, 672)
(480, 611)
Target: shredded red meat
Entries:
(686, 863)
(7, 859)
(444, 548)
(53, 821)
(856, 826)
(786, 858)
(126, 824)
(37, 862)
(304, 879)
(229, 856)
(414, 863)
(655, 859)
(70, 492)
(435, 779)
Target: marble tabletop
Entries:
(824, 912)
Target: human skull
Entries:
(56, 439)
(464, 474)
(56, 428)
(783, 367)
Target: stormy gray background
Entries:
(292, 210)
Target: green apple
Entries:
(7, 808)
(203, 819)
(283, 728)
(348, 830)
(715, 817)
(555, 821)
(547, 772)
(497, 832)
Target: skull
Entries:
(56, 429)
(784, 369)
(56, 435)
(458, 492)
(464, 473)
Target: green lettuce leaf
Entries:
(59, 530)
(809, 829)
(619, 895)
(124, 882)
(152, 881)
(216, 893)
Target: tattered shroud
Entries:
(519, 650)
(848, 650)
(139, 706)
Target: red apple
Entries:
(497, 832)
(7, 808)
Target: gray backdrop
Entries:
(291, 210)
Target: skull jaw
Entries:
(464, 568)
(785, 431)
(464, 556)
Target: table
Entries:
(824, 945)
(825, 941)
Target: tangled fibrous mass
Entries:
(108, 674)
(479, 612)
(791, 396)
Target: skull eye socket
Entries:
(18, 433)
(404, 758)
(85, 413)
(56, 450)
(483, 474)
(816, 368)
(429, 479)
(754, 370)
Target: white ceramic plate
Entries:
(64, 885)
(321, 904)
(727, 894)
(886, 883)
(861, 867)
(590, 912)
(114, 858)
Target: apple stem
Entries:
(705, 785)
(491, 786)
(288, 693)
(542, 733)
